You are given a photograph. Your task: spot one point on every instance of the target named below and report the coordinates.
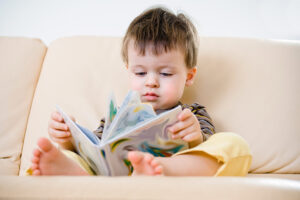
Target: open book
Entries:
(134, 126)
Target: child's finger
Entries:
(191, 137)
(58, 134)
(58, 125)
(180, 125)
(183, 132)
(56, 116)
(186, 113)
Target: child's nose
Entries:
(152, 81)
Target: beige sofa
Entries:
(249, 86)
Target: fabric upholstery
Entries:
(249, 86)
(79, 73)
(173, 188)
(20, 64)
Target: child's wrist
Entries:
(195, 142)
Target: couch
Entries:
(249, 86)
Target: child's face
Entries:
(159, 79)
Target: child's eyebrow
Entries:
(166, 66)
(159, 67)
(138, 66)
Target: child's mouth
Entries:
(151, 96)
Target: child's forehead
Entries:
(171, 59)
(142, 48)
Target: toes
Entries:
(144, 163)
(36, 156)
(156, 166)
(34, 166)
(154, 163)
(135, 157)
(36, 172)
(148, 158)
(35, 160)
(44, 144)
(36, 153)
(158, 170)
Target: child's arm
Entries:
(59, 131)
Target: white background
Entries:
(49, 20)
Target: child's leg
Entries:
(224, 154)
(190, 164)
(48, 160)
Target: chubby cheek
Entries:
(173, 92)
(136, 85)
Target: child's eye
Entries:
(140, 73)
(166, 74)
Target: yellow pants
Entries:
(227, 148)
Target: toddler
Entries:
(160, 53)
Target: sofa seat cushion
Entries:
(62, 187)
(280, 176)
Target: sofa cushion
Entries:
(249, 86)
(155, 188)
(295, 177)
(20, 63)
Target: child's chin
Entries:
(154, 105)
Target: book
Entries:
(133, 126)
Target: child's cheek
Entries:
(135, 84)
(172, 92)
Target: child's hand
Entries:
(187, 128)
(59, 131)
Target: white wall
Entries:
(48, 20)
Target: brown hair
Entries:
(166, 31)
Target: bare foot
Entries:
(48, 160)
(144, 164)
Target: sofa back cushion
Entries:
(248, 86)
(20, 63)
(251, 87)
(78, 74)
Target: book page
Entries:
(86, 144)
(130, 118)
(150, 136)
(132, 98)
(110, 115)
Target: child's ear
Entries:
(191, 76)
